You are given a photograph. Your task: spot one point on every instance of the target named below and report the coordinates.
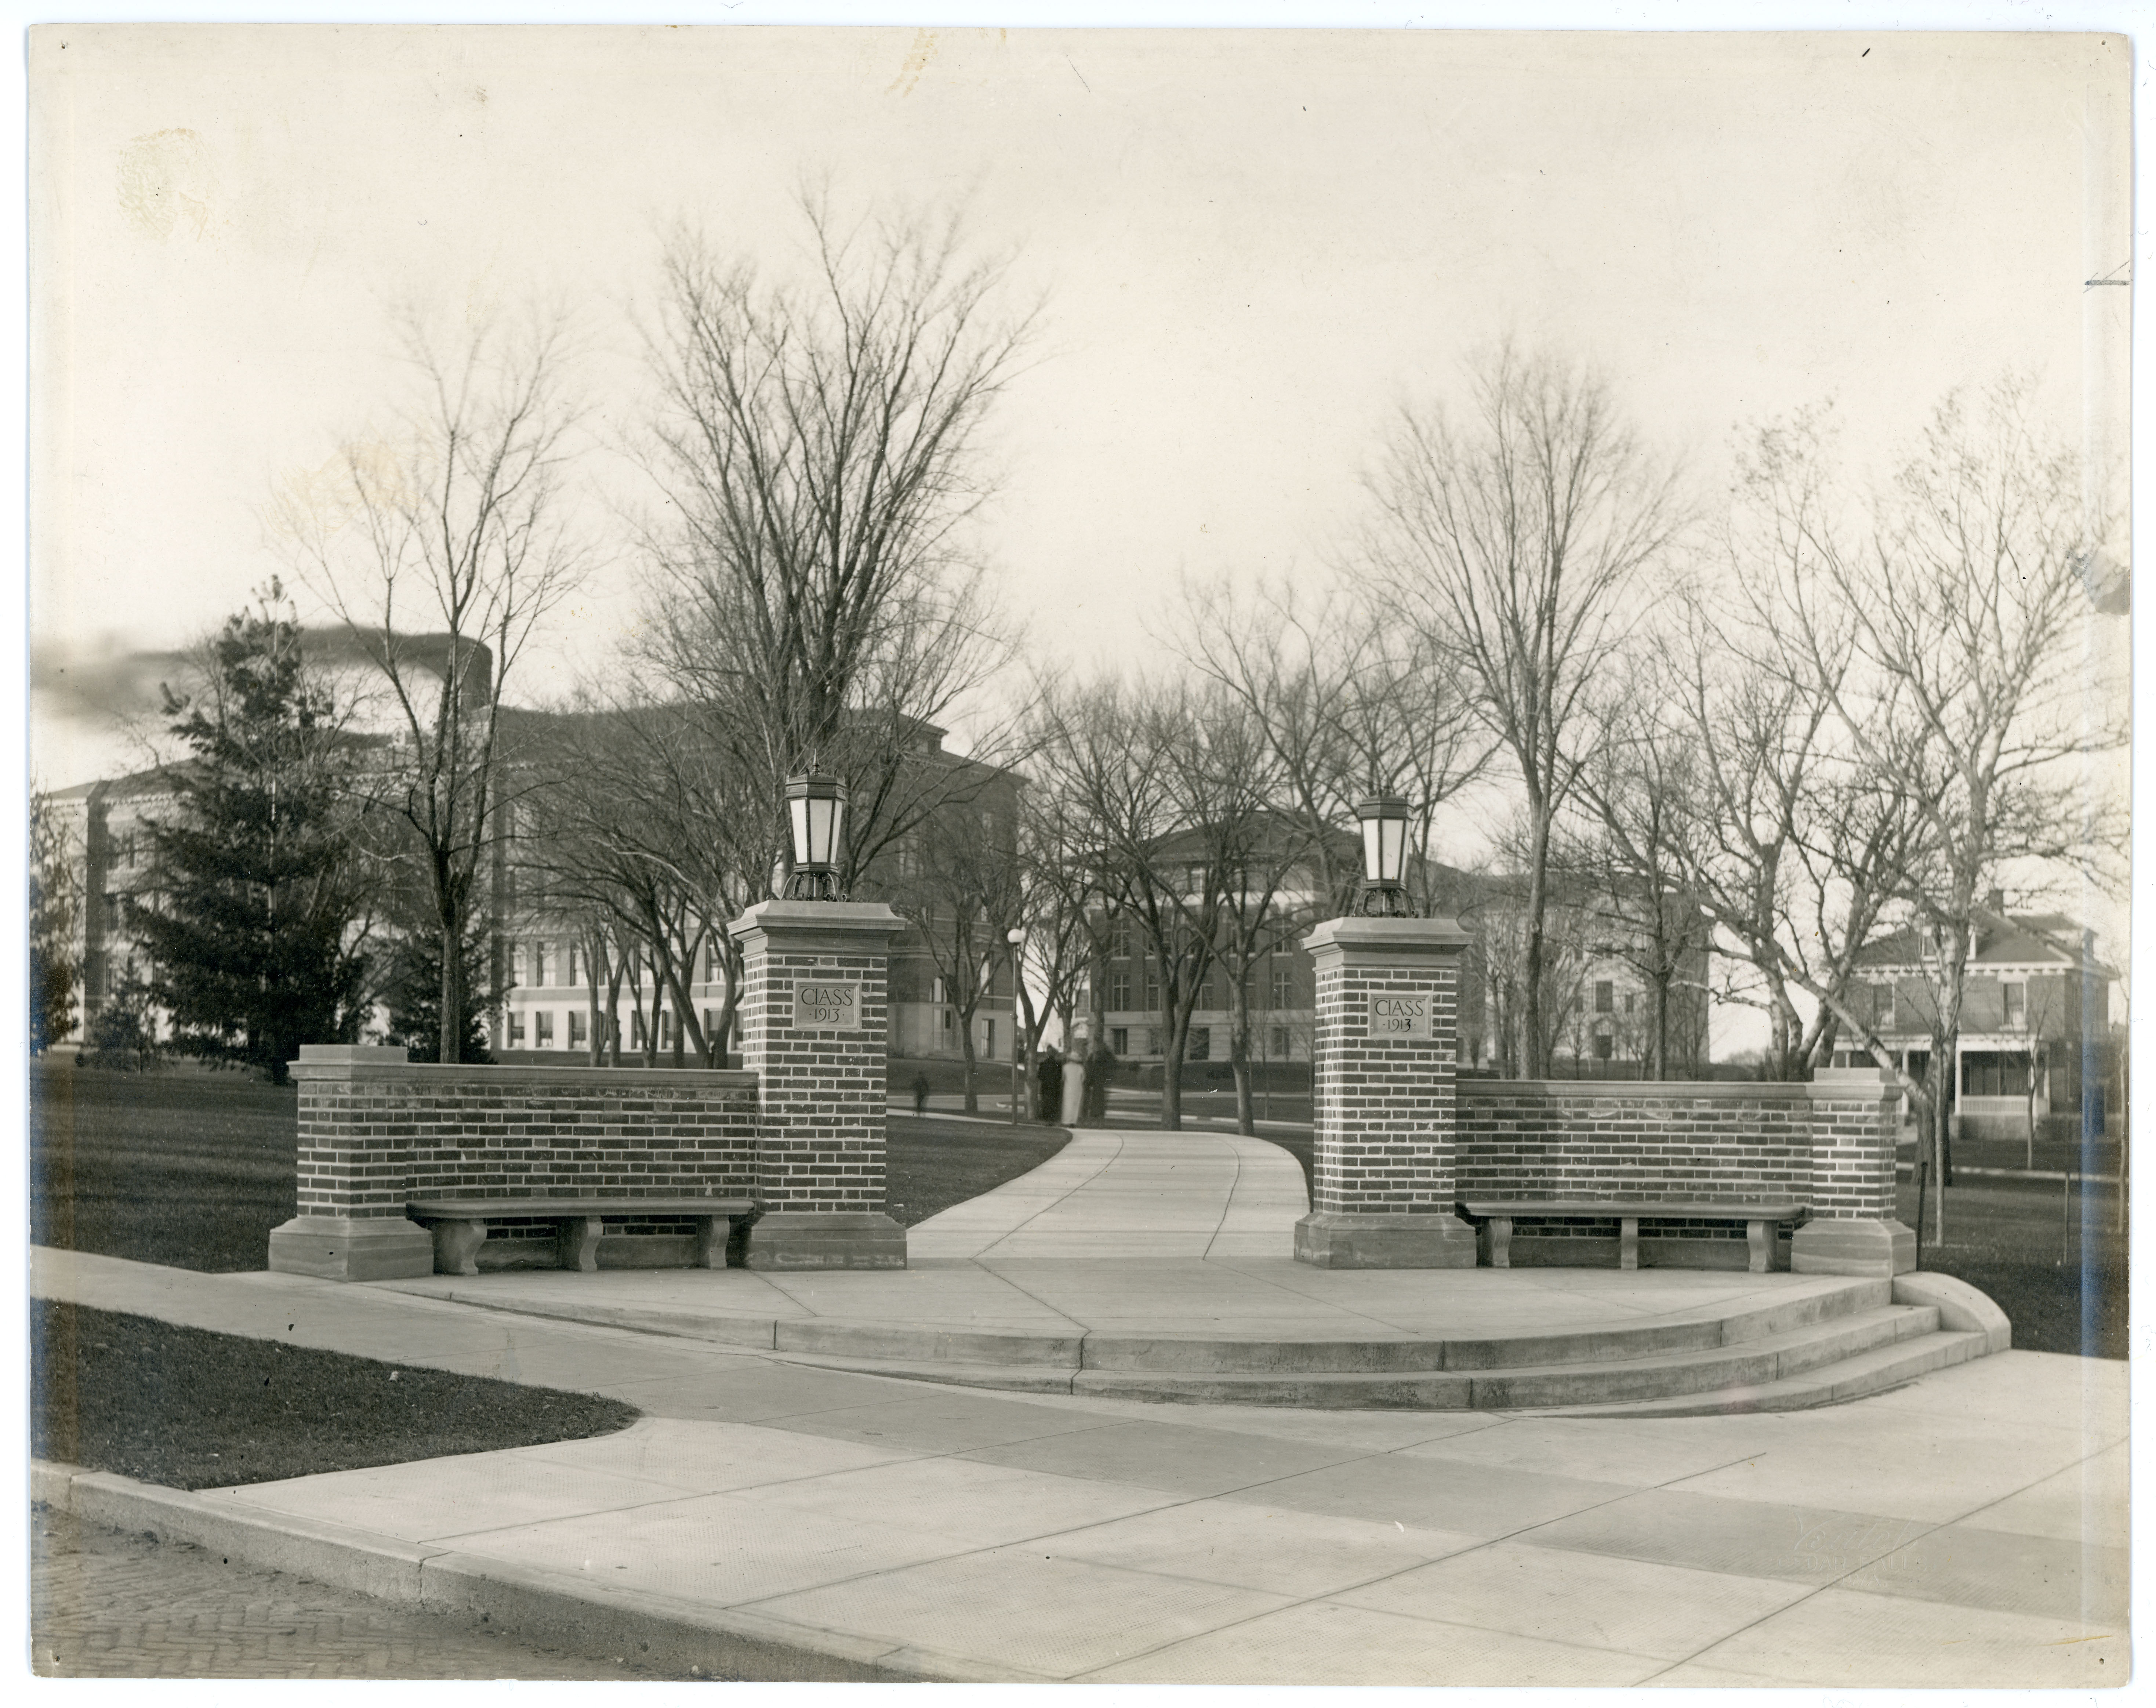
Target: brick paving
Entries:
(106, 1605)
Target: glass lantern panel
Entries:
(798, 807)
(820, 810)
(1394, 845)
(1373, 868)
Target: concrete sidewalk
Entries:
(1970, 1530)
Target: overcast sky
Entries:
(1253, 248)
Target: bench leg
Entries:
(1628, 1242)
(712, 1233)
(1760, 1237)
(1501, 1242)
(580, 1242)
(456, 1247)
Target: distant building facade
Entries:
(537, 953)
(2035, 1047)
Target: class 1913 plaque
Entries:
(1400, 1016)
(820, 1005)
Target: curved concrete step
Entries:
(1195, 1355)
(1752, 1364)
(1874, 1372)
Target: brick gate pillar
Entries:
(1856, 1118)
(1381, 1185)
(356, 1138)
(815, 1032)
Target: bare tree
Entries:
(1156, 820)
(817, 450)
(1347, 700)
(960, 895)
(1972, 695)
(1514, 533)
(1631, 864)
(442, 546)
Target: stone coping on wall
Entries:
(344, 1061)
(1733, 1090)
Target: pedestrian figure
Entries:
(1050, 1073)
(921, 1094)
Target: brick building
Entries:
(2034, 1044)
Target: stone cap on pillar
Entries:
(1414, 938)
(1871, 1078)
(845, 924)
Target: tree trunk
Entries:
(1537, 1060)
(449, 1049)
(973, 1103)
(1662, 1024)
(1171, 1075)
(1239, 1059)
(1095, 1068)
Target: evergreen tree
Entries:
(414, 993)
(257, 886)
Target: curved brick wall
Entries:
(1670, 1140)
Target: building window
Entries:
(542, 1025)
(1629, 1000)
(935, 993)
(988, 1038)
(1152, 992)
(1605, 997)
(1119, 1040)
(1153, 1040)
(1606, 1046)
(576, 1028)
(516, 1027)
(950, 1017)
(1119, 939)
(1281, 990)
(2017, 1002)
(1201, 1045)
(1119, 992)
(1995, 1073)
(576, 963)
(1281, 1050)
(539, 963)
(666, 1028)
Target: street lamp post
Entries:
(1382, 892)
(1016, 938)
(816, 816)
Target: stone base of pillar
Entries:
(799, 1239)
(347, 1249)
(1331, 1239)
(1834, 1246)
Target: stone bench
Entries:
(1760, 1222)
(458, 1225)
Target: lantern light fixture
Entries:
(1383, 819)
(816, 815)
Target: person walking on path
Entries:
(921, 1094)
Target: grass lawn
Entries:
(186, 1169)
(2059, 1274)
(193, 1410)
(930, 1163)
(194, 1169)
